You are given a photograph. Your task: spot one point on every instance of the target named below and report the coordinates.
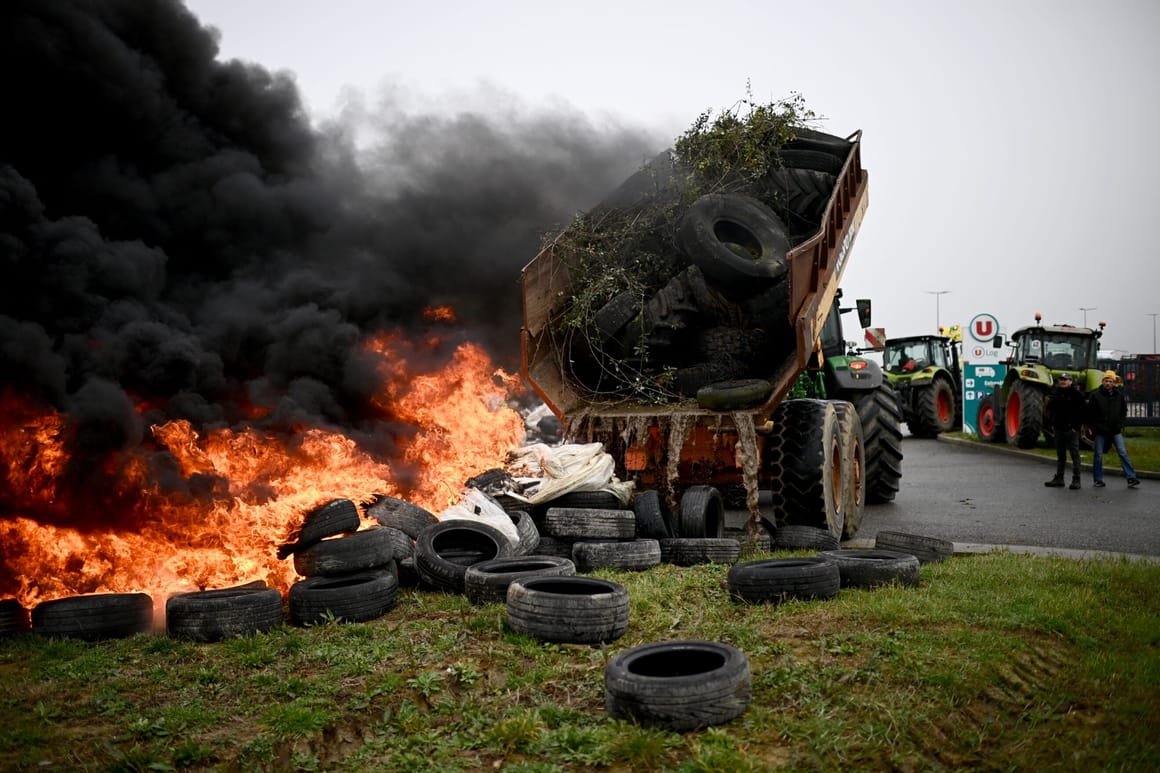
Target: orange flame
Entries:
(243, 491)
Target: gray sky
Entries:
(1010, 142)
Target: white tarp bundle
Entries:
(546, 472)
(478, 506)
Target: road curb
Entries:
(1110, 470)
(974, 549)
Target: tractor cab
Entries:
(1057, 348)
(915, 354)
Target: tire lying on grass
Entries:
(775, 580)
(487, 582)
(355, 598)
(629, 556)
(678, 685)
(213, 615)
(574, 610)
(94, 617)
(690, 551)
(925, 549)
(794, 536)
(873, 568)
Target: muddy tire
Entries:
(367, 549)
(1024, 415)
(487, 582)
(882, 432)
(444, 551)
(225, 613)
(734, 395)
(874, 568)
(691, 551)
(925, 549)
(575, 610)
(804, 455)
(853, 467)
(775, 580)
(94, 617)
(355, 598)
(734, 239)
(678, 685)
(528, 532)
(628, 556)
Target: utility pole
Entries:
(1085, 310)
(936, 294)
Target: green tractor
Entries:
(927, 373)
(1017, 411)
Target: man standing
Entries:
(1107, 410)
(1065, 409)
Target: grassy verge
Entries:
(995, 662)
(1143, 444)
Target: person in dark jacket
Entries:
(1107, 410)
(1065, 409)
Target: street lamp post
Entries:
(936, 294)
(1085, 310)
(1153, 316)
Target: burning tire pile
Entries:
(351, 574)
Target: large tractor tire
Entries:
(805, 462)
(882, 440)
(987, 421)
(934, 409)
(1024, 414)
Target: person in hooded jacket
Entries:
(1065, 410)
(1107, 409)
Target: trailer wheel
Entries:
(804, 457)
(987, 421)
(882, 432)
(1024, 414)
(734, 239)
(678, 685)
(854, 462)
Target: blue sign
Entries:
(979, 380)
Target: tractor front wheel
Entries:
(987, 421)
(1024, 414)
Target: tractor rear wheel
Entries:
(882, 435)
(1024, 415)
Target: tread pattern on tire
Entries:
(774, 580)
(797, 537)
(925, 549)
(690, 551)
(94, 617)
(882, 432)
(355, 598)
(874, 568)
(627, 555)
(367, 549)
(575, 610)
(590, 523)
(678, 685)
(224, 613)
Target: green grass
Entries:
(995, 662)
(1143, 444)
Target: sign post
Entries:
(983, 371)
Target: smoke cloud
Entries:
(176, 234)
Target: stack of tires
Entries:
(723, 312)
(351, 574)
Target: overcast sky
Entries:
(1011, 143)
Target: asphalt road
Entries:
(980, 496)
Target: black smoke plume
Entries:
(175, 234)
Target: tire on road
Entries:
(1024, 414)
(882, 432)
(853, 467)
(987, 421)
(678, 685)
